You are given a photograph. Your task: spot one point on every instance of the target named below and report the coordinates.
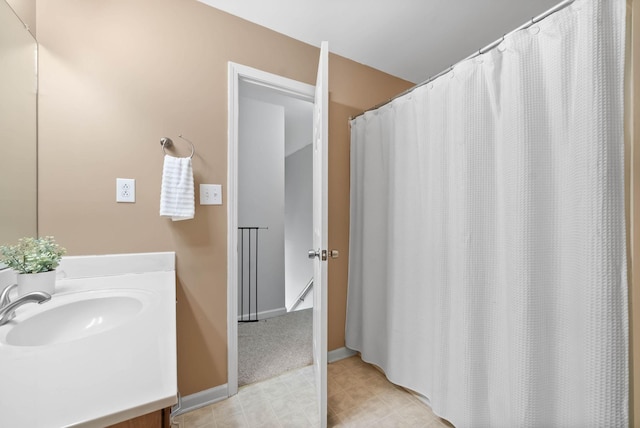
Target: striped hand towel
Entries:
(177, 198)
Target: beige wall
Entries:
(116, 75)
(26, 10)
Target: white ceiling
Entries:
(411, 39)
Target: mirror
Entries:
(18, 128)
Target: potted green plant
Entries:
(35, 260)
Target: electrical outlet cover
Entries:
(125, 190)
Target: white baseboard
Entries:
(264, 314)
(340, 354)
(200, 399)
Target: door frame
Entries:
(240, 73)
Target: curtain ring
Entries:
(502, 46)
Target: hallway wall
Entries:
(261, 142)
(298, 219)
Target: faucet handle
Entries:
(4, 297)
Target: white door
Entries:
(319, 251)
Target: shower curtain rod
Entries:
(485, 49)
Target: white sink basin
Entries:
(73, 316)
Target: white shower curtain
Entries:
(487, 262)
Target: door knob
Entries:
(317, 253)
(334, 254)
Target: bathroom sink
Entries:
(74, 316)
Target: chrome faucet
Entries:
(4, 297)
(7, 307)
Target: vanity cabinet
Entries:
(157, 419)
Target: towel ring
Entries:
(166, 142)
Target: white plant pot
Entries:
(43, 281)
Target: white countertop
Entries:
(102, 379)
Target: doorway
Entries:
(271, 217)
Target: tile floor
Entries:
(358, 396)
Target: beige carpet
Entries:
(275, 345)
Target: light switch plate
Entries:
(125, 190)
(211, 194)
